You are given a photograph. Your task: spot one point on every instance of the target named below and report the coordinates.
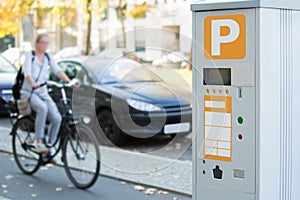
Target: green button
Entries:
(240, 120)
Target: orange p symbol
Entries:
(225, 37)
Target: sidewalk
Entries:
(140, 168)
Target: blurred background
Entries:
(104, 27)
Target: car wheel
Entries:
(110, 131)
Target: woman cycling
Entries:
(36, 72)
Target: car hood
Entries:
(7, 80)
(160, 93)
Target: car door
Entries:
(80, 97)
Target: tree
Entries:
(11, 12)
(121, 10)
(62, 13)
(138, 11)
(91, 7)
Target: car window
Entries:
(127, 71)
(72, 70)
(6, 67)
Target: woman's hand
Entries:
(35, 85)
(76, 82)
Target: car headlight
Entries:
(143, 106)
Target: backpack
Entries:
(20, 78)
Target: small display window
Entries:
(217, 76)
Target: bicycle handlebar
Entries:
(73, 82)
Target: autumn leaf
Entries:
(159, 174)
(163, 192)
(6, 154)
(4, 186)
(177, 145)
(8, 177)
(168, 148)
(123, 183)
(139, 188)
(136, 151)
(150, 191)
(176, 176)
(70, 186)
(34, 195)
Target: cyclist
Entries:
(36, 72)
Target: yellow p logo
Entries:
(225, 37)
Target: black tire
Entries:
(23, 137)
(110, 132)
(81, 157)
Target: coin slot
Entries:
(240, 93)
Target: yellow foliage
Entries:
(138, 11)
(11, 12)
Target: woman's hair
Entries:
(40, 36)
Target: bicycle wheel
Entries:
(23, 138)
(81, 157)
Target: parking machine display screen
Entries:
(217, 76)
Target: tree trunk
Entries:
(89, 27)
(122, 19)
(123, 31)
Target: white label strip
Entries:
(217, 133)
(211, 151)
(211, 143)
(215, 104)
(177, 128)
(217, 119)
(225, 153)
(224, 145)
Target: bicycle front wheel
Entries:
(23, 138)
(81, 157)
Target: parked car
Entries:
(15, 55)
(126, 98)
(171, 60)
(7, 75)
(68, 52)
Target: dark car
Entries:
(126, 98)
(7, 75)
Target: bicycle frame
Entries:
(73, 140)
(67, 127)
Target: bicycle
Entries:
(78, 145)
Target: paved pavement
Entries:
(165, 173)
(51, 182)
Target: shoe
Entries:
(40, 148)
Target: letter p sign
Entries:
(225, 37)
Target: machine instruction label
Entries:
(218, 128)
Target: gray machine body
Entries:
(259, 159)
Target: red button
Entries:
(240, 136)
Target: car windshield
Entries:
(124, 70)
(5, 66)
